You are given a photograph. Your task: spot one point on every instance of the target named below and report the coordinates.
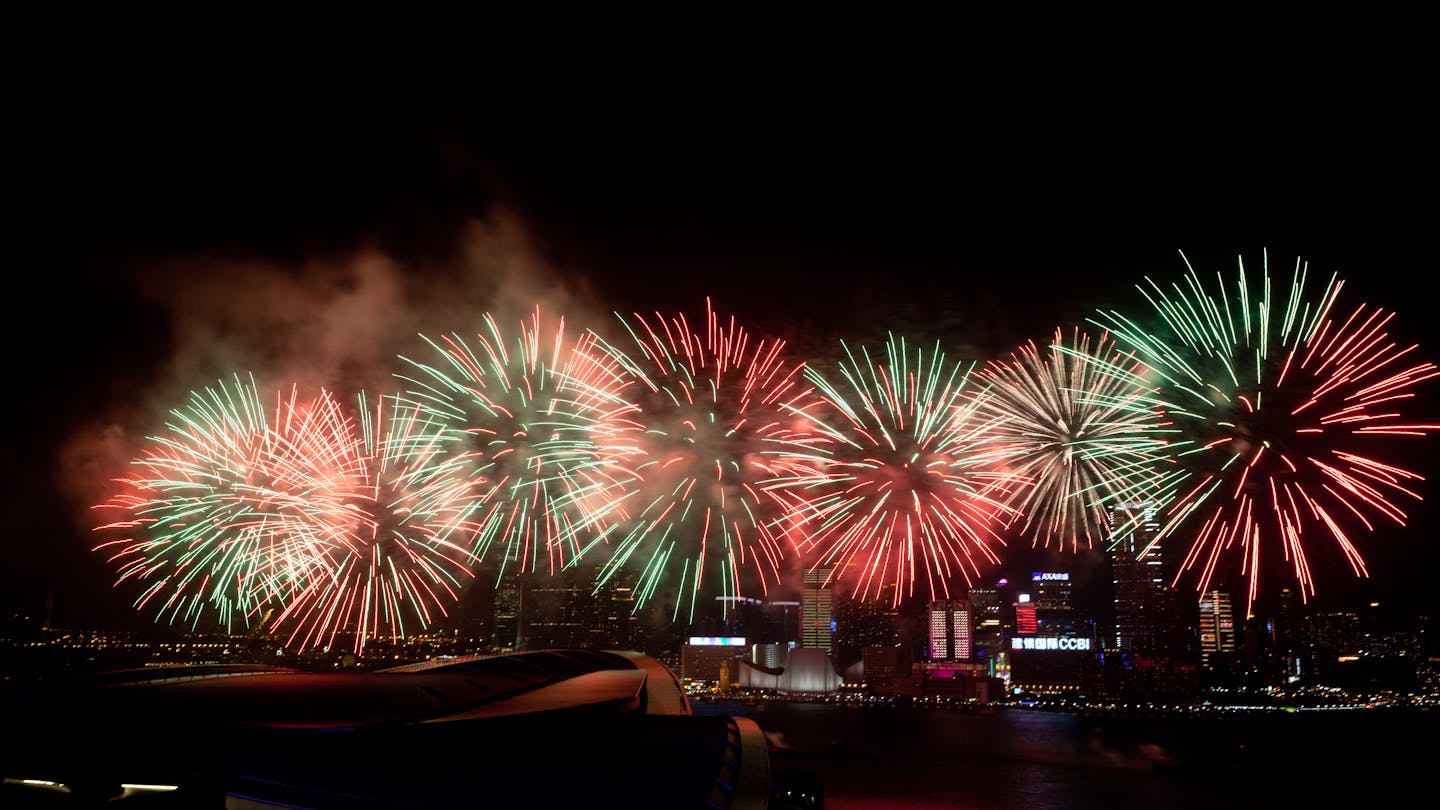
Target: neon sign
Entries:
(1049, 643)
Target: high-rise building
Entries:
(1217, 630)
(1052, 595)
(556, 610)
(864, 622)
(1146, 614)
(987, 627)
(951, 635)
(1331, 636)
(736, 614)
(506, 633)
(759, 619)
(611, 623)
(883, 666)
(780, 622)
(817, 628)
(1052, 642)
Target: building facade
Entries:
(817, 621)
(1217, 631)
(950, 633)
(1052, 645)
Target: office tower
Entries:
(951, 637)
(1217, 630)
(861, 623)
(1049, 651)
(939, 627)
(757, 619)
(1287, 628)
(1146, 614)
(737, 615)
(1334, 634)
(556, 609)
(884, 665)
(987, 628)
(1051, 595)
(780, 622)
(817, 629)
(508, 594)
(611, 623)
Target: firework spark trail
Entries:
(381, 560)
(288, 520)
(211, 518)
(907, 481)
(1079, 423)
(712, 424)
(523, 424)
(1281, 401)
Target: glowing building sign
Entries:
(1047, 576)
(718, 641)
(1049, 643)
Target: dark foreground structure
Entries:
(560, 728)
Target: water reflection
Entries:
(914, 758)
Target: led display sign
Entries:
(1049, 643)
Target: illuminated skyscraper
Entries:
(1051, 643)
(1051, 595)
(817, 629)
(1145, 604)
(951, 636)
(988, 629)
(1217, 630)
(1331, 635)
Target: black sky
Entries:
(812, 210)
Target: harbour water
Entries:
(926, 758)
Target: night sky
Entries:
(168, 242)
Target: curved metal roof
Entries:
(554, 728)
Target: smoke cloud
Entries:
(334, 323)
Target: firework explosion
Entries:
(381, 560)
(1078, 423)
(908, 485)
(1281, 401)
(715, 420)
(210, 519)
(699, 459)
(286, 519)
(521, 421)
